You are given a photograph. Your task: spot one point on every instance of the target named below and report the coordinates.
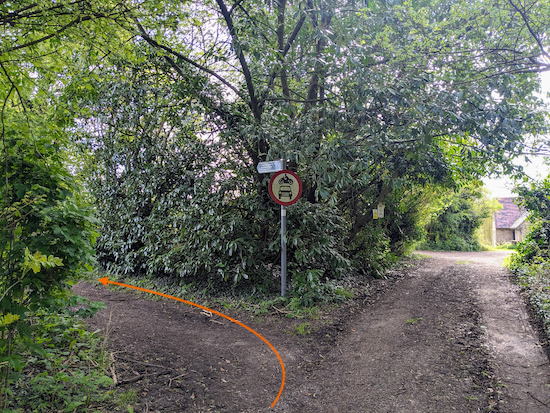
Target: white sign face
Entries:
(285, 188)
(270, 166)
(380, 211)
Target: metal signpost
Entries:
(285, 188)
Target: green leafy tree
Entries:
(46, 236)
(47, 232)
(455, 225)
(366, 101)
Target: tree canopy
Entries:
(175, 104)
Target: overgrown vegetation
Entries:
(47, 233)
(47, 229)
(59, 366)
(153, 116)
(454, 226)
(531, 263)
(174, 124)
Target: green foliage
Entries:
(414, 321)
(389, 238)
(534, 278)
(536, 246)
(507, 246)
(302, 329)
(47, 231)
(454, 227)
(368, 107)
(47, 234)
(128, 398)
(58, 367)
(531, 262)
(170, 205)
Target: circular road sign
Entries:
(285, 187)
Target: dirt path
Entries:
(452, 334)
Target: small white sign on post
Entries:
(270, 166)
(378, 213)
(380, 210)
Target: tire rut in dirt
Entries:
(419, 348)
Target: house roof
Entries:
(519, 222)
(511, 215)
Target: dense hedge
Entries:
(531, 264)
(454, 227)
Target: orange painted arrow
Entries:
(105, 281)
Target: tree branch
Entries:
(314, 87)
(171, 51)
(281, 5)
(14, 87)
(19, 14)
(284, 52)
(253, 103)
(4, 140)
(288, 99)
(51, 35)
(531, 31)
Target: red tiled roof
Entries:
(509, 214)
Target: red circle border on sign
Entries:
(285, 171)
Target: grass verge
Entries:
(534, 280)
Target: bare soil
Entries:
(450, 334)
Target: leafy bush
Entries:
(531, 263)
(58, 366)
(173, 204)
(536, 245)
(454, 227)
(536, 199)
(534, 279)
(47, 233)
